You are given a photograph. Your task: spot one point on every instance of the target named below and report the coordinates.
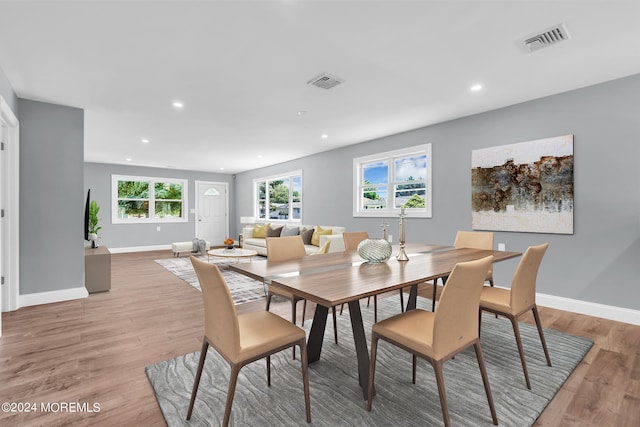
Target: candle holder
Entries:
(402, 255)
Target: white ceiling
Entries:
(241, 69)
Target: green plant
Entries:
(93, 218)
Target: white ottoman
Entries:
(179, 247)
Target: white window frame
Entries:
(390, 156)
(151, 181)
(256, 202)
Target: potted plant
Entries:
(93, 223)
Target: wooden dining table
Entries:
(333, 279)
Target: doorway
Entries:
(212, 211)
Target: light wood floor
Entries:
(95, 350)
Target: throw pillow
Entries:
(306, 234)
(319, 231)
(260, 231)
(274, 232)
(290, 231)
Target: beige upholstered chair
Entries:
(469, 239)
(518, 300)
(242, 339)
(285, 249)
(438, 337)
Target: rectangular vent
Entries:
(549, 37)
(325, 81)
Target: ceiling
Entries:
(241, 69)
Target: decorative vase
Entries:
(375, 250)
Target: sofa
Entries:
(312, 243)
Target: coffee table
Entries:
(236, 253)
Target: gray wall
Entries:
(98, 179)
(6, 90)
(599, 263)
(51, 203)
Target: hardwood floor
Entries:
(94, 351)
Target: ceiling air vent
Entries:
(325, 81)
(549, 37)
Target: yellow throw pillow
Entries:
(317, 232)
(260, 231)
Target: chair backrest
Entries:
(474, 239)
(220, 316)
(324, 249)
(285, 248)
(353, 238)
(523, 285)
(456, 319)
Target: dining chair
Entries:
(512, 303)
(285, 249)
(351, 241)
(468, 239)
(242, 338)
(438, 337)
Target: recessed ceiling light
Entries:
(128, 159)
(301, 113)
(324, 136)
(221, 169)
(178, 104)
(145, 141)
(259, 156)
(476, 88)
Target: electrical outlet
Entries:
(158, 228)
(501, 247)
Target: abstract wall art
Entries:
(526, 187)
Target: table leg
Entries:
(362, 351)
(316, 334)
(413, 298)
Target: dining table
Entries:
(333, 279)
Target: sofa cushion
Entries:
(317, 232)
(290, 231)
(274, 231)
(307, 234)
(260, 231)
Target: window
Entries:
(139, 199)
(279, 198)
(386, 182)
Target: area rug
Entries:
(336, 397)
(243, 289)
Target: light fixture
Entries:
(178, 104)
(128, 159)
(324, 136)
(476, 88)
(301, 113)
(145, 141)
(259, 156)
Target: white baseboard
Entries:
(139, 249)
(610, 312)
(38, 298)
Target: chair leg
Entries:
(368, 300)
(196, 381)
(341, 307)
(335, 324)
(268, 359)
(293, 320)
(304, 311)
(268, 301)
(516, 331)
(542, 340)
(413, 373)
(437, 367)
(433, 299)
(305, 377)
(233, 379)
(401, 301)
(372, 369)
(485, 380)
(375, 309)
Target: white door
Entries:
(212, 213)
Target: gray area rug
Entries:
(336, 397)
(243, 289)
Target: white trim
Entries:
(11, 180)
(139, 249)
(38, 298)
(286, 175)
(610, 312)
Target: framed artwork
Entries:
(525, 187)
